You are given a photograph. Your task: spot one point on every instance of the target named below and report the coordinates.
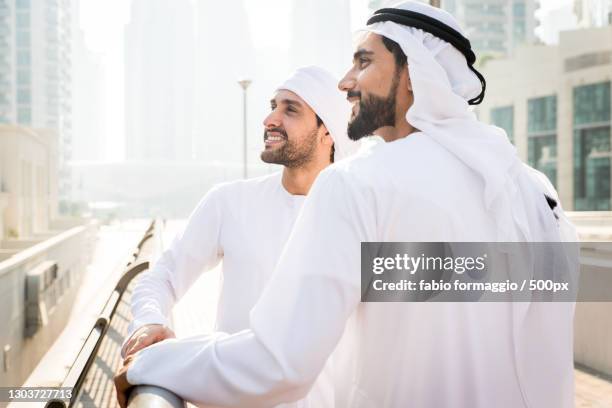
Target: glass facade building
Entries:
(542, 135)
(6, 63)
(503, 117)
(23, 50)
(592, 146)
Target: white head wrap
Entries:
(319, 89)
(442, 84)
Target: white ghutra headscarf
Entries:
(319, 89)
(443, 84)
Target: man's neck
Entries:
(297, 181)
(400, 130)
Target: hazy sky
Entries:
(103, 23)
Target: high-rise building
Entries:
(88, 107)
(7, 63)
(35, 71)
(495, 27)
(223, 57)
(552, 20)
(593, 13)
(321, 34)
(159, 80)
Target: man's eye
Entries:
(291, 110)
(363, 61)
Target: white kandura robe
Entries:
(246, 224)
(426, 355)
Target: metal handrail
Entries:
(149, 396)
(86, 357)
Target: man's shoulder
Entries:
(246, 185)
(416, 165)
(374, 151)
(232, 193)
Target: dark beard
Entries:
(374, 112)
(291, 154)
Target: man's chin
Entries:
(268, 156)
(356, 129)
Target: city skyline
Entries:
(101, 29)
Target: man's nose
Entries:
(348, 82)
(272, 120)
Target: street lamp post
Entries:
(244, 84)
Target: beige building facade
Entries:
(28, 181)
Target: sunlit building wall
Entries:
(28, 181)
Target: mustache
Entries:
(353, 94)
(276, 130)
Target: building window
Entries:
(23, 58)
(23, 4)
(504, 118)
(592, 147)
(542, 136)
(518, 9)
(24, 116)
(23, 77)
(24, 96)
(23, 20)
(23, 38)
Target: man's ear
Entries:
(326, 138)
(408, 81)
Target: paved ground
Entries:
(592, 392)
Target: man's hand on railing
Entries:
(145, 336)
(122, 386)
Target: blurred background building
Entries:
(159, 80)
(36, 72)
(593, 13)
(496, 27)
(554, 103)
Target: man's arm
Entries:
(295, 325)
(192, 252)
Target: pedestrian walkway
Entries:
(113, 246)
(592, 391)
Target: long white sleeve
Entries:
(192, 252)
(294, 326)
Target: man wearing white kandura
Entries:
(246, 223)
